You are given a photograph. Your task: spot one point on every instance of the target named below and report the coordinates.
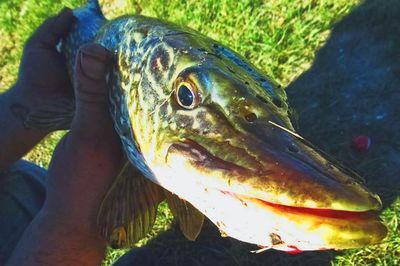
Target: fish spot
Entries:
(172, 126)
(250, 117)
(159, 62)
(138, 37)
(186, 121)
(201, 115)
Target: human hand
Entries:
(43, 80)
(84, 165)
(43, 77)
(89, 158)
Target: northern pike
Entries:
(207, 131)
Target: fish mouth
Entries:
(337, 226)
(201, 157)
(284, 180)
(325, 213)
(336, 229)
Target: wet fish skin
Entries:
(237, 146)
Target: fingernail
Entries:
(93, 65)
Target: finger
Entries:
(52, 30)
(90, 74)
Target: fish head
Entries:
(217, 133)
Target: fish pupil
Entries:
(185, 96)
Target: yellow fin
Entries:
(129, 209)
(190, 220)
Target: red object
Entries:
(361, 143)
(294, 250)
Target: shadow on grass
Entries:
(353, 88)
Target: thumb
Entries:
(91, 89)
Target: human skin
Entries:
(84, 163)
(42, 78)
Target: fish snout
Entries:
(299, 176)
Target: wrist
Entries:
(15, 139)
(17, 107)
(84, 225)
(49, 240)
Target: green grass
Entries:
(281, 37)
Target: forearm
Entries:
(65, 232)
(15, 139)
(52, 240)
(83, 167)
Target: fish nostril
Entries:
(250, 117)
(293, 148)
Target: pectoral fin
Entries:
(190, 220)
(129, 209)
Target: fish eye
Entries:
(187, 96)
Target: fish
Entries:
(209, 133)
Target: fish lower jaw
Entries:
(317, 229)
(291, 230)
(260, 222)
